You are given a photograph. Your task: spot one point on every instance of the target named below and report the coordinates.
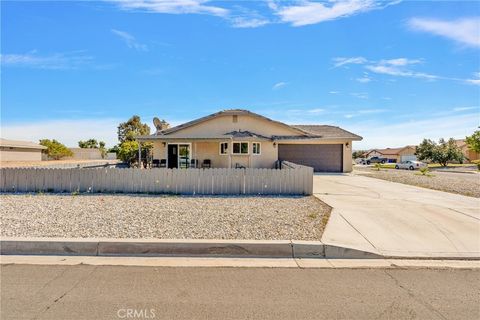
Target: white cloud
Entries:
(56, 61)
(248, 22)
(130, 40)
(363, 112)
(316, 111)
(334, 92)
(465, 31)
(279, 85)
(459, 109)
(400, 62)
(340, 61)
(399, 67)
(413, 132)
(173, 6)
(309, 12)
(360, 95)
(69, 132)
(364, 79)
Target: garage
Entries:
(321, 157)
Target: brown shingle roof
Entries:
(328, 132)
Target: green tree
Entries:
(128, 131)
(93, 144)
(358, 154)
(88, 144)
(55, 149)
(441, 152)
(127, 136)
(473, 141)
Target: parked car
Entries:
(410, 165)
(374, 160)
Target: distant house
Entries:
(15, 150)
(469, 154)
(243, 139)
(394, 154)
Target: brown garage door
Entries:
(322, 157)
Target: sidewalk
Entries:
(393, 219)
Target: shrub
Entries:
(55, 149)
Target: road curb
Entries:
(190, 248)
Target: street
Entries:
(120, 292)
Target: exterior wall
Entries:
(202, 150)
(347, 151)
(224, 124)
(159, 151)
(85, 154)
(469, 154)
(20, 154)
(209, 150)
(267, 157)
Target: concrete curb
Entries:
(191, 248)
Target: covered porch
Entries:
(211, 152)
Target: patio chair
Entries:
(155, 163)
(163, 163)
(207, 163)
(239, 166)
(193, 163)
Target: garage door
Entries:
(409, 157)
(322, 157)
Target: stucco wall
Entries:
(224, 124)
(20, 154)
(202, 150)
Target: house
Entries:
(15, 150)
(469, 154)
(240, 138)
(394, 154)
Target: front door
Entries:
(173, 156)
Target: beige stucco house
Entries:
(15, 150)
(240, 138)
(394, 154)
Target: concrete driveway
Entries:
(395, 219)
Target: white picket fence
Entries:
(289, 181)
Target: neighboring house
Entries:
(15, 150)
(394, 154)
(240, 138)
(469, 154)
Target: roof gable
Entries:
(231, 112)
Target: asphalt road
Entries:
(117, 292)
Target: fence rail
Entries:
(290, 181)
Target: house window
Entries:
(223, 147)
(235, 119)
(256, 148)
(240, 148)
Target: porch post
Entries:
(139, 155)
(230, 153)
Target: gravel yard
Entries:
(467, 184)
(166, 217)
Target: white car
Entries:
(410, 165)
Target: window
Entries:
(240, 148)
(234, 118)
(256, 148)
(223, 147)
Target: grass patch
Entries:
(313, 215)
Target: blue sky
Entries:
(393, 72)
